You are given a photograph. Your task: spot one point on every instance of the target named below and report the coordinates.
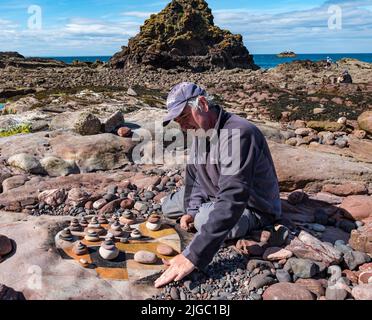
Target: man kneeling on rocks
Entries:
(224, 199)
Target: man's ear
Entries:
(203, 103)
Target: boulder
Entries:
(315, 286)
(56, 167)
(361, 149)
(346, 189)
(53, 197)
(326, 126)
(4, 174)
(111, 206)
(308, 247)
(87, 124)
(357, 207)
(302, 268)
(309, 167)
(353, 259)
(65, 121)
(287, 291)
(92, 153)
(26, 162)
(365, 121)
(14, 182)
(23, 105)
(115, 121)
(259, 281)
(361, 239)
(77, 197)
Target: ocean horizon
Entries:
(265, 61)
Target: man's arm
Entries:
(231, 202)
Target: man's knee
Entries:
(172, 206)
(203, 215)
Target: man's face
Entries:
(194, 119)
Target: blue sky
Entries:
(101, 27)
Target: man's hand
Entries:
(178, 268)
(186, 222)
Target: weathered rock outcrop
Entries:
(15, 59)
(184, 35)
(303, 168)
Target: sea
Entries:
(265, 61)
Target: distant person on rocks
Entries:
(346, 77)
(220, 204)
(329, 63)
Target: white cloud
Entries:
(137, 14)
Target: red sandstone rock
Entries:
(357, 207)
(366, 267)
(306, 246)
(89, 205)
(165, 250)
(287, 291)
(127, 204)
(277, 254)
(346, 189)
(365, 277)
(125, 132)
(361, 239)
(351, 275)
(110, 207)
(53, 197)
(313, 285)
(77, 197)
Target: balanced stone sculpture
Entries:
(127, 228)
(108, 250)
(102, 220)
(127, 218)
(66, 235)
(75, 225)
(91, 236)
(84, 223)
(113, 219)
(94, 225)
(153, 222)
(136, 234)
(116, 229)
(80, 249)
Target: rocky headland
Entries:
(66, 138)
